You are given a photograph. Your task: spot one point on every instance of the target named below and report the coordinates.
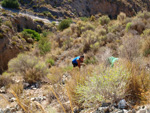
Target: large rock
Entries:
(20, 22)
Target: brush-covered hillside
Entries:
(55, 9)
(37, 75)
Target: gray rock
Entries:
(25, 85)
(39, 99)
(122, 104)
(2, 90)
(148, 110)
(32, 99)
(1, 111)
(102, 110)
(105, 104)
(37, 85)
(12, 99)
(142, 111)
(133, 111)
(7, 110)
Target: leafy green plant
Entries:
(84, 19)
(35, 35)
(10, 3)
(146, 32)
(64, 24)
(128, 26)
(51, 61)
(105, 84)
(44, 45)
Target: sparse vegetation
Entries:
(45, 67)
(30, 67)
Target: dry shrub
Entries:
(146, 32)
(51, 97)
(144, 15)
(104, 20)
(138, 25)
(145, 47)
(138, 84)
(110, 37)
(101, 31)
(121, 17)
(66, 107)
(130, 47)
(17, 88)
(73, 27)
(78, 27)
(30, 67)
(103, 54)
(89, 39)
(87, 26)
(78, 77)
(55, 75)
(5, 81)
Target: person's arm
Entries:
(78, 63)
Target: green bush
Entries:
(146, 32)
(104, 20)
(64, 24)
(51, 61)
(84, 19)
(128, 26)
(30, 67)
(44, 45)
(35, 35)
(10, 3)
(105, 84)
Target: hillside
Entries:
(36, 53)
(81, 8)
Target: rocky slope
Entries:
(75, 8)
(11, 43)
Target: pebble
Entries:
(39, 99)
(12, 99)
(2, 90)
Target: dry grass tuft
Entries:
(17, 88)
(138, 84)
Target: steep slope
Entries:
(73, 8)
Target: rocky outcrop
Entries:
(92, 7)
(11, 44)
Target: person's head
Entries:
(82, 58)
